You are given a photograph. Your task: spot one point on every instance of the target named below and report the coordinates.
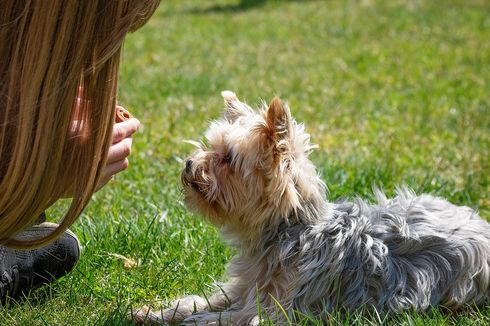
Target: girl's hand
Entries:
(117, 159)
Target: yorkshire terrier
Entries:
(297, 252)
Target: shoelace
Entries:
(9, 283)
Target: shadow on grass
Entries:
(243, 5)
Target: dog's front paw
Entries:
(144, 316)
(209, 318)
(223, 318)
(181, 309)
(185, 307)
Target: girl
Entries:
(59, 63)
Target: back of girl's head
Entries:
(51, 52)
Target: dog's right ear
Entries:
(278, 118)
(233, 107)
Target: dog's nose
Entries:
(188, 166)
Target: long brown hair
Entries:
(50, 53)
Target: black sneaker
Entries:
(21, 271)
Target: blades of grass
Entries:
(282, 309)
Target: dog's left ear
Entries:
(278, 120)
(234, 108)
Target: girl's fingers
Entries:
(124, 129)
(119, 151)
(117, 157)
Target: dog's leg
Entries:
(188, 306)
(181, 309)
(210, 318)
(228, 317)
(221, 300)
(236, 314)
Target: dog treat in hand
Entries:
(122, 114)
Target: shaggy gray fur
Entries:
(403, 253)
(409, 252)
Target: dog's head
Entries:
(254, 170)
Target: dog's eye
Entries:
(227, 158)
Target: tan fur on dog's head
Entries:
(255, 172)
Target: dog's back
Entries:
(439, 252)
(403, 253)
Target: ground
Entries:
(392, 92)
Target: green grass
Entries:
(394, 92)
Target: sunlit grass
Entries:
(392, 92)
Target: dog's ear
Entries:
(234, 108)
(280, 128)
(278, 119)
(228, 97)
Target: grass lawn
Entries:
(393, 92)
